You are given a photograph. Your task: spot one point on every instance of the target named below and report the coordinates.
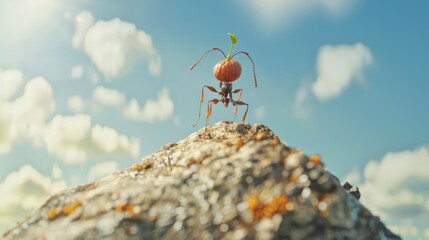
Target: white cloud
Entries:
(405, 229)
(73, 139)
(396, 186)
(57, 173)
(32, 109)
(337, 67)
(108, 140)
(10, 81)
(153, 110)
(65, 137)
(353, 177)
(108, 97)
(83, 22)
(23, 18)
(93, 76)
(23, 191)
(24, 118)
(77, 72)
(271, 15)
(114, 45)
(75, 104)
(101, 170)
(302, 108)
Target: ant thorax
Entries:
(226, 87)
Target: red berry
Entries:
(227, 71)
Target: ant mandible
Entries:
(226, 71)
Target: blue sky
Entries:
(344, 79)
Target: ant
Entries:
(226, 71)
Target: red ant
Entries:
(226, 71)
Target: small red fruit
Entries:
(227, 71)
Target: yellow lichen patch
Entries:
(276, 140)
(252, 203)
(293, 178)
(126, 208)
(193, 161)
(323, 206)
(142, 166)
(238, 144)
(261, 136)
(276, 205)
(315, 159)
(69, 208)
(53, 213)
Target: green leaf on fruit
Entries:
(233, 38)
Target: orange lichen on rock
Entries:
(130, 209)
(276, 205)
(261, 136)
(239, 143)
(69, 208)
(293, 178)
(276, 140)
(198, 160)
(315, 159)
(142, 166)
(53, 213)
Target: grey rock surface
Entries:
(229, 181)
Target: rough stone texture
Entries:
(229, 181)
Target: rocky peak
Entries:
(226, 181)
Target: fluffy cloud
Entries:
(108, 97)
(101, 170)
(337, 66)
(25, 117)
(153, 110)
(396, 186)
(406, 230)
(23, 191)
(93, 76)
(70, 138)
(23, 18)
(82, 22)
(10, 81)
(77, 72)
(57, 173)
(114, 45)
(302, 108)
(75, 104)
(73, 139)
(353, 177)
(274, 14)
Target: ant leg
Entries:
(247, 108)
(209, 108)
(240, 91)
(202, 100)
